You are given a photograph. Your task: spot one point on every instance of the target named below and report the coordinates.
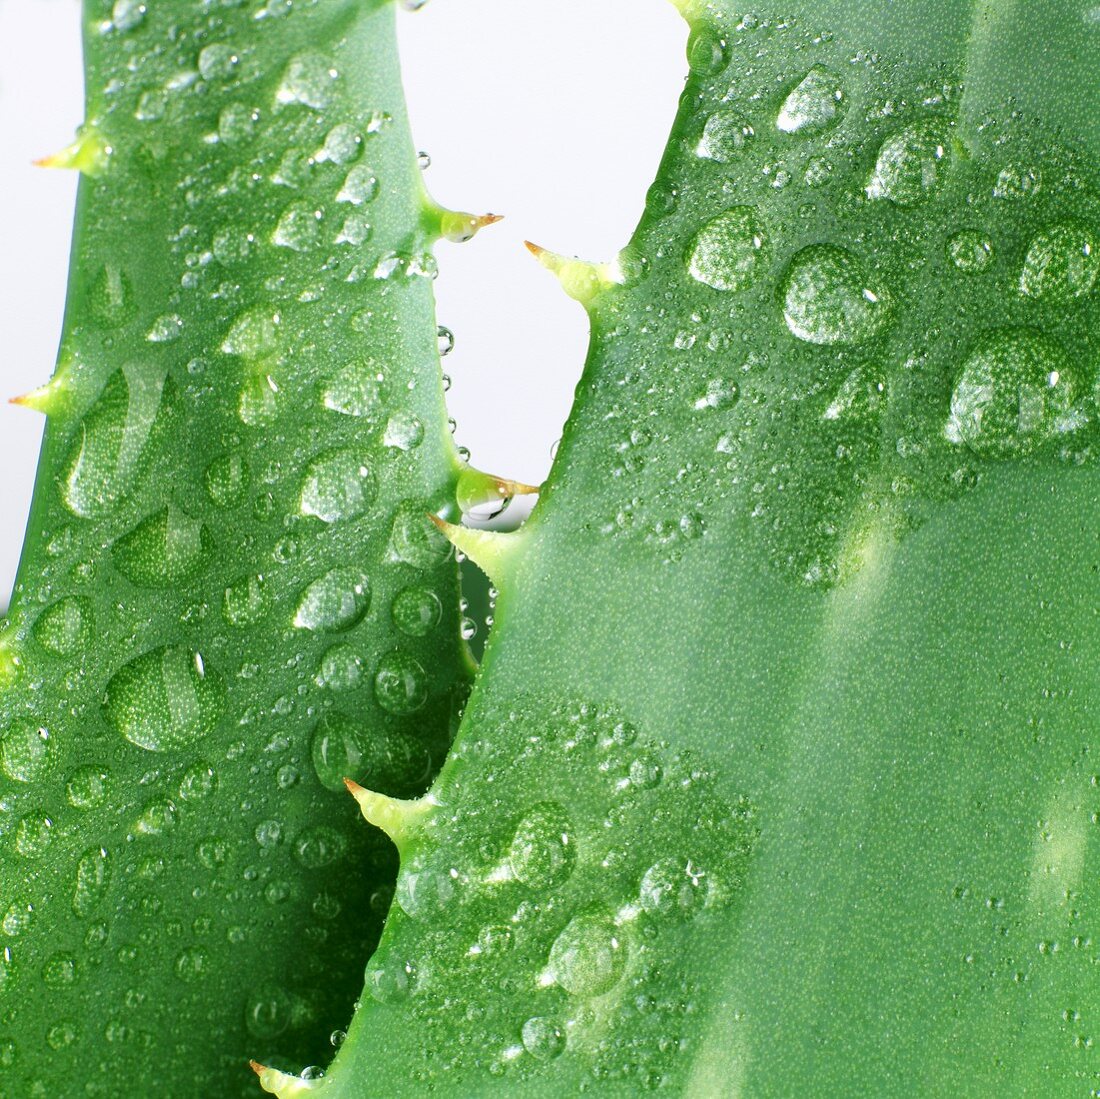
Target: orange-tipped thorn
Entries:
(257, 1068)
(581, 280)
(459, 227)
(493, 551)
(399, 819)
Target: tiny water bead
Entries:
(416, 610)
(1061, 263)
(589, 956)
(817, 103)
(543, 852)
(335, 601)
(828, 297)
(400, 683)
(1016, 390)
(338, 485)
(165, 699)
(970, 250)
(729, 251)
(911, 165)
(446, 340)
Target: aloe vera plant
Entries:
(777, 778)
(230, 595)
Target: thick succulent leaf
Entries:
(230, 596)
(779, 776)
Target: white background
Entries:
(552, 112)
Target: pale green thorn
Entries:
(581, 280)
(88, 154)
(399, 818)
(493, 551)
(48, 399)
(282, 1084)
(458, 227)
(476, 491)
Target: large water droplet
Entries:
(543, 851)
(87, 788)
(911, 165)
(724, 137)
(360, 186)
(217, 62)
(93, 875)
(258, 400)
(299, 229)
(318, 846)
(336, 601)
(165, 548)
(339, 747)
(1062, 263)
(341, 669)
(165, 699)
(729, 251)
(416, 610)
(1016, 389)
(355, 391)
(542, 1038)
(589, 956)
(226, 480)
(26, 751)
(337, 485)
(246, 601)
(675, 888)
(970, 251)
(404, 431)
(253, 334)
(108, 453)
(309, 80)
(66, 627)
(400, 683)
(415, 539)
(828, 297)
(815, 104)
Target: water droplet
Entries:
(1017, 181)
(817, 103)
(337, 1038)
(226, 480)
(26, 751)
(157, 818)
(588, 957)
(415, 539)
(236, 122)
(198, 783)
(299, 228)
(165, 328)
(674, 888)
(17, 919)
(269, 1012)
(257, 401)
(93, 875)
(109, 449)
(192, 964)
(542, 1038)
(400, 683)
(246, 601)
(389, 982)
(212, 852)
(828, 297)
(165, 548)
(446, 341)
(111, 297)
(217, 62)
(341, 669)
(404, 431)
(309, 80)
(127, 14)
(318, 846)
(416, 610)
(65, 627)
(423, 161)
(724, 137)
(268, 833)
(61, 1035)
(911, 165)
(355, 391)
(970, 251)
(337, 485)
(32, 835)
(1016, 389)
(342, 145)
(729, 250)
(360, 186)
(423, 893)
(165, 699)
(708, 54)
(1062, 263)
(253, 334)
(87, 788)
(543, 851)
(336, 601)
(338, 748)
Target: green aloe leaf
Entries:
(230, 596)
(780, 775)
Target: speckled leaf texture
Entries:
(780, 777)
(231, 596)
